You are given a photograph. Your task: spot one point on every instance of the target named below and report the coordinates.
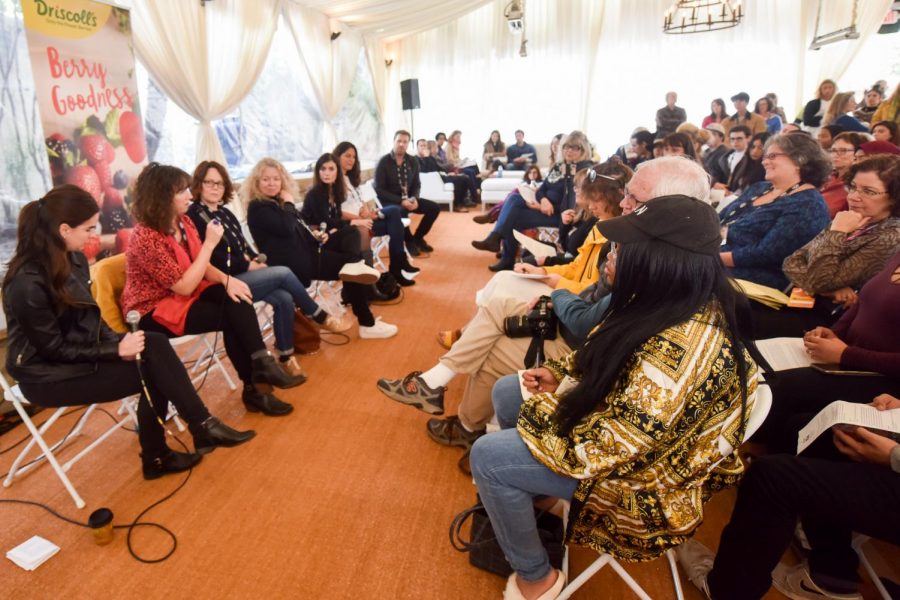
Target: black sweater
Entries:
(317, 210)
(387, 179)
(280, 234)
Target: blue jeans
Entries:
(279, 287)
(515, 215)
(392, 226)
(508, 478)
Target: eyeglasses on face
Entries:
(572, 147)
(773, 155)
(214, 184)
(865, 192)
(833, 150)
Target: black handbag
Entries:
(484, 549)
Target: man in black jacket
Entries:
(397, 182)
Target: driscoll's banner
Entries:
(83, 64)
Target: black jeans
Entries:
(215, 311)
(798, 394)
(462, 187)
(429, 211)
(791, 322)
(832, 499)
(344, 247)
(167, 381)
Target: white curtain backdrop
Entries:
(330, 64)
(206, 59)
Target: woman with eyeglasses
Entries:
(773, 218)
(555, 195)
(171, 281)
(276, 285)
(835, 264)
(843, 152)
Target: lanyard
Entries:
(403, 177)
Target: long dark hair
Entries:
(753, 171)
(683, 141)
(335, 190)
(721, 104)
(657, 286)
(354, 174)
(39, 241)
(154, 190)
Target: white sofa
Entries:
(496, 189)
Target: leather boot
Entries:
(503, 265)
(490, 244)
(256, 400)
(400, 277)
(212, 433)
(404, 263)
(483, 218)
(266, 370)
(171, 462)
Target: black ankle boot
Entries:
(404, 263)
(212, 433)
(490, 244)
(266, 370)
(400, 277)
(259, 401)
(171, 462)
(503, 265)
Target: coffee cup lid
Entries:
(100, 517)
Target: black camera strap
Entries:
(534, 357)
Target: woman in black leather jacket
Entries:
(63, 354)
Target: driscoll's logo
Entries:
(84, 17)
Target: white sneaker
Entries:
(697, 561)
(359, 272)
(795, 582)
(379, 330)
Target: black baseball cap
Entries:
(682, 221)
(741, 96)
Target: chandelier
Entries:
(692, 16)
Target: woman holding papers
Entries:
(865, 339)
(846, 254)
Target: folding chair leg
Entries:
(858, 541)
(219, 365)
(36, 436)
(673, 566)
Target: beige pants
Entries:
(486, 354)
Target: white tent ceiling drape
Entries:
(206, 59)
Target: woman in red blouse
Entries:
(171, 283)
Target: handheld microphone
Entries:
(133, 318)
(323, 229)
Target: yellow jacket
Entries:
(582, 271)
(887, 111)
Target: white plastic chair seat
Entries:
(14, 395)
(761, 407)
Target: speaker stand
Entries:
(412, 125)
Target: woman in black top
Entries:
(63, 354)
(310, 250)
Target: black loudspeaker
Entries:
(409, 91)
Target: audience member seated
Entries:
(866, 109)
(464, 191)
(750, 169)
(837, 262)
(521, 155)
(555, 195)
(831, 496)
(744, 117)
(441, 155)
(843, 152)
(460, 165)
(889, 110)
(775, 109)
(826, 135)
(679, 144)
(673, 311)
(816, 108)
(640, 149)
(717, 113)
(62, 353)
(839, 113)
(715, 153)
(397, 184)
(555, 155)
(532, 178)
(368, 217)
(773, 218)
(280, 232)
(865, 338)
(739, 136)
(171, 282)
(494, 149)
(886, 131)
(277, 286)
(764, 109)
(669, 117)
(484, 351)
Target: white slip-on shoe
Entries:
(359, 272)
(379, 330)
(697, 561)
(796, 583)
(512, 591)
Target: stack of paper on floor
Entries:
(762, 293)
(32, 553)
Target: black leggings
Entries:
(344, 247)
(167, 381)
(215, 311)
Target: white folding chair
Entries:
(858, 541)
(202, 352)
(14, 395)
(327, 294)
(757, 415)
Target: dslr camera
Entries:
(540, 323)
